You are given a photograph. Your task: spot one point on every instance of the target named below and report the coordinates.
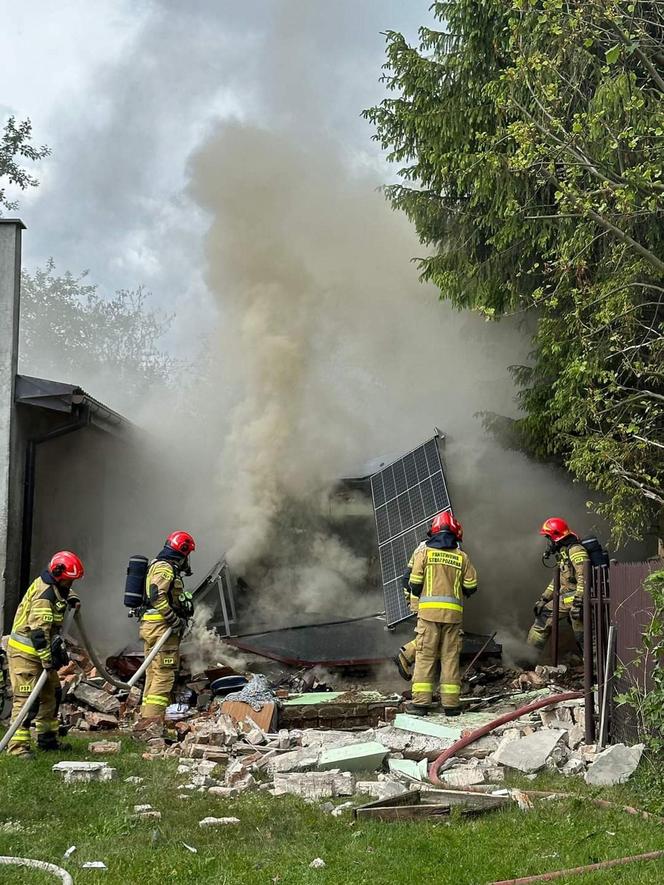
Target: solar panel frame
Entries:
(406, 495)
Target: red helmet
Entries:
(445, 521)
(66, 565)
(555, 528)
(182, 542)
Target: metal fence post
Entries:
(588, 657)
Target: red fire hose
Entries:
(486, 729)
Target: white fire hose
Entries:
(63, 875)
(153, 654)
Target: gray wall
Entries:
(11, 467)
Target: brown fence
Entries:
(630, 611)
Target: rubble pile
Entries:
(89, 702)
(225, 757)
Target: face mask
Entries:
(550, 555)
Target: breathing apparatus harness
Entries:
(135, 598)
(553, 553)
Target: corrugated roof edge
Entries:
(58, 396)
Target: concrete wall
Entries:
(11, 472)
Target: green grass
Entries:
(279, 837)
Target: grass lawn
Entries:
(278, 838)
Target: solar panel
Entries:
(406, 496)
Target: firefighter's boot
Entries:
(404, 663)
(419, 709)
(48, 741)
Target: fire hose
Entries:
(94, 657)
(101, 669)
(63, 875)
(487, 729)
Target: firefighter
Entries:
(406, 657)
(442, 577)
(169, 606)
(33, 647)
(571, 556)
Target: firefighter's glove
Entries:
(59, 654)
(73, 601)
(406, 593)
(186, 605)
(576, 610)
(416, 589)
(539, 608)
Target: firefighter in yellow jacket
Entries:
(571, 556)
(406, 657)
(31, 650)
(169, 606)
(442, 577)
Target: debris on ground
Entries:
(104, 748)
(317, 864)
(84, 772)
(614, 765)
(218, 822)
(296, 735)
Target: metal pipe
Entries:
(588, 658)
(94, 657)
(605, 691)
(479, 655)
(579, 871)
(555, 614)
(148, 660)
(486, 729)
(22, 716)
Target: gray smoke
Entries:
(325, 350)
(333, 353)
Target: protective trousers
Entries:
(436, 644)
(160, 675)
(24, 674)
(539, 633)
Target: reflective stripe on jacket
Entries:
(162, 584)
(572, 585)
(444, 574)
(41, 609)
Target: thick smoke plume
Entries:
(334, 354)
(326, 350)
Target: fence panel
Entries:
(631, 612)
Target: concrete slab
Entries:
(314, 784)
(529, 753)
(355, 757)
(416, 771)
(463, 777)
(614, 765)
(380, 789)
(427, 725)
